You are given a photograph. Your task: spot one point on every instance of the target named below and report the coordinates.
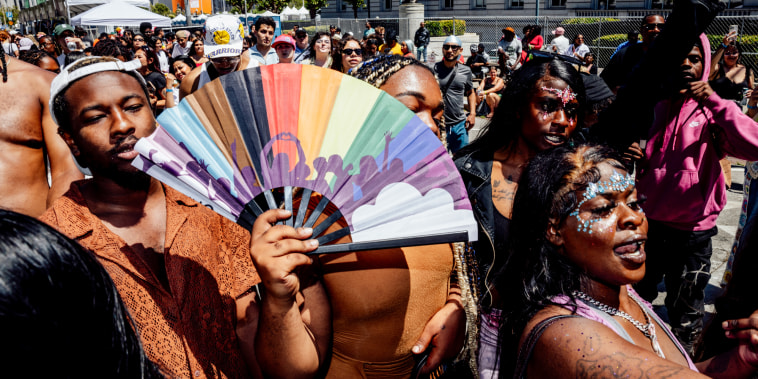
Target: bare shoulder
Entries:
(581, 348)
(189, 83)
(20, 72)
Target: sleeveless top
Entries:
(502, 226)
(728, 89)
(593, 313)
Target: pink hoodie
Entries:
(681, 175)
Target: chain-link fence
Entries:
(601, 34)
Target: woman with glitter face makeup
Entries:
(540, 109)
(579, 236)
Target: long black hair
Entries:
(505, 128)
(535, 270)
(60, 313)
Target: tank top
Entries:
(591, 312)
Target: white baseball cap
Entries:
(223, 36)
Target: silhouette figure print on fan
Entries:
(246, 135)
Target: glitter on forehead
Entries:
(566, 94)
(616, 183)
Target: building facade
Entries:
(468, 8)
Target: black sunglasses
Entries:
(351, 51)
(139, 39)
(539, 56)
(650, 27)
(450, 47)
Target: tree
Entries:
(162, 10)
(275, 6)
(314, 5)
(13, 10)
(238, 6)
(356, 4)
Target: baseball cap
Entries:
(474, 47)
(558, 31)
(223, 36)
(25, 44)
(509, 29)
(62, 28)
(301, 32)
(282, 39)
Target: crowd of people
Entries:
(149, 283)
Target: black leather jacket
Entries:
(476, 172)
(422, 37)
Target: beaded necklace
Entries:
(647, 329)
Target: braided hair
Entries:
(378, 70)
(33, 56)
(5, 65)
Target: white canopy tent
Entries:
(119, 13)
(75, 7)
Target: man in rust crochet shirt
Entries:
(185, 273)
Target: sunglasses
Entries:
(139, 40)
(351, 51)
(650, 27)
(450, 47)
(225, 60)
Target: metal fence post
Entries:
(599, 34)
(453, 25)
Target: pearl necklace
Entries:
(647, 329)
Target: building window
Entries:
(478, 4)
(387, 5)
(605, 4)
(661, 4)
(557, 3)
(446, 4)
(516, 4)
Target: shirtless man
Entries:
(26, 133)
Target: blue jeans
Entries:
(421, 50)
(457, 136)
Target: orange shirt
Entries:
(188, 331)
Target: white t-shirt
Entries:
(10, 48)
(561, 44)
(163, 60)
(179, 50)
(581, 51)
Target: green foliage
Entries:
(15, 12)
(610, 40)
(275, 6)
(315, 5)
(238, 6)
(356, 4)
(162, 10)
(587, 20)
(445, 27)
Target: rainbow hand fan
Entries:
(311, 140)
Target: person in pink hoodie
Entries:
(682, 180)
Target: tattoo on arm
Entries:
(620, 365)
(502, 194)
